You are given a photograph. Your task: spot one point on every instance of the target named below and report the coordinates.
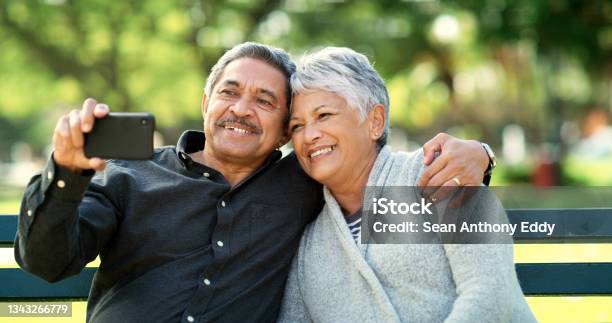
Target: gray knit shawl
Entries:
(333, 279)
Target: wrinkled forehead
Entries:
(253, 74)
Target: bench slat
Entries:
(17, 283)
(571, 225)
(582, 279)
(8, 228)
(547, 279)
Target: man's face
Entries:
(243, 117)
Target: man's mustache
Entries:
(252, 128)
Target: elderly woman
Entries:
(339, 124)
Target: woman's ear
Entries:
(376, 118)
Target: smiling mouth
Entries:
(241, 131)
(239, 128)
(321, 151)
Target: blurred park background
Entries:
(533, 78)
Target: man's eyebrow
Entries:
(230, 83)
(269, 93)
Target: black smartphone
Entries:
(121, 136)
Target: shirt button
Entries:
(49, 175)
(61, 184)
(190, 318)
(206, 175)
(223, 203)
(29, 212)
(206, 282)
(220, 243)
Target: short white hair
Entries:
(346, 73)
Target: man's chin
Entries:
(236, 153)
(241, 153)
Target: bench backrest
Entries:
(537, 279)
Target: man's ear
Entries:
(204, 104)
(376, 118)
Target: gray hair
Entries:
(346, 73)
(276, 57)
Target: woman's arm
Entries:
(484, 274)
(483, 277)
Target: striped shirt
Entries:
(354, 224)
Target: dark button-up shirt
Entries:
(176, 241)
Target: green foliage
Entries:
(482, 63)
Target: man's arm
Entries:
(60, 231)
(465, 160)
(453, 163)
(62, 227)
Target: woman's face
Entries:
(331, 141)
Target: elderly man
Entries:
(206, 230)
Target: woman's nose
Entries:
(311, 133)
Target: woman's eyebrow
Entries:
(315, 110)
(320, 107)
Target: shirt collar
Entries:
(189, 142)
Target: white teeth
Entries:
(242, 131)
(321, 151)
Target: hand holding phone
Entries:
(69, 141)
(121, 136)
(70, 135)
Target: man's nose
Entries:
(242, 107)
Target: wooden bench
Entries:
(18, 284)
(538, 279)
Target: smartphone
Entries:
(121, 136)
